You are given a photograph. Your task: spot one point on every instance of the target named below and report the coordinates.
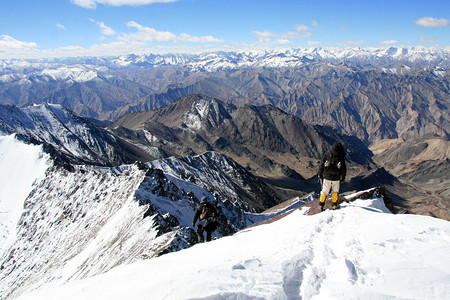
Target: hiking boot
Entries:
(321, 205)
(335, 206)
(199, 232)
(200, 238)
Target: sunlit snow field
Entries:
(358, 252)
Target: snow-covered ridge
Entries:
(89, 220)
(75, 73)
(358, 252)
(69, 134)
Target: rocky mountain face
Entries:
(68, 136)
(221, 176)
(264, 139)
(371, 103)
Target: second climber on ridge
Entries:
(206, 213)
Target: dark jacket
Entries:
(333, 165)
(199, 210)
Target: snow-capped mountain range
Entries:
(83, 69)
(47, 72)
(284, 58)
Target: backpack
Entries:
(333, 162)
(206, 212)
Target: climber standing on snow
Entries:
(206, 213)
(331, 172)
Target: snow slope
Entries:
(21, 166)
(358, 252)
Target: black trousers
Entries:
(200, 234)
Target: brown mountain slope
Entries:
(422, 163)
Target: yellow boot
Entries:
(334, 199)
(322, 201)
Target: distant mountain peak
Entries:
(206, 113)
(195, 111)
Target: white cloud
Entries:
(389, 42)
(313, 43)
(143, 40)
(351, 43)
(93, 3)
(432, 22)
(291, 35)
(184, 37)
(305, 30)
(147, 34)
(427, 40)
(306, 35)
(268, 34)
(8, 42)
(267, 37)
(282, 41)
(301, 28)
(60, 26)
(12, 48)
(105, 29)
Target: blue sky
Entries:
(60, 28)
